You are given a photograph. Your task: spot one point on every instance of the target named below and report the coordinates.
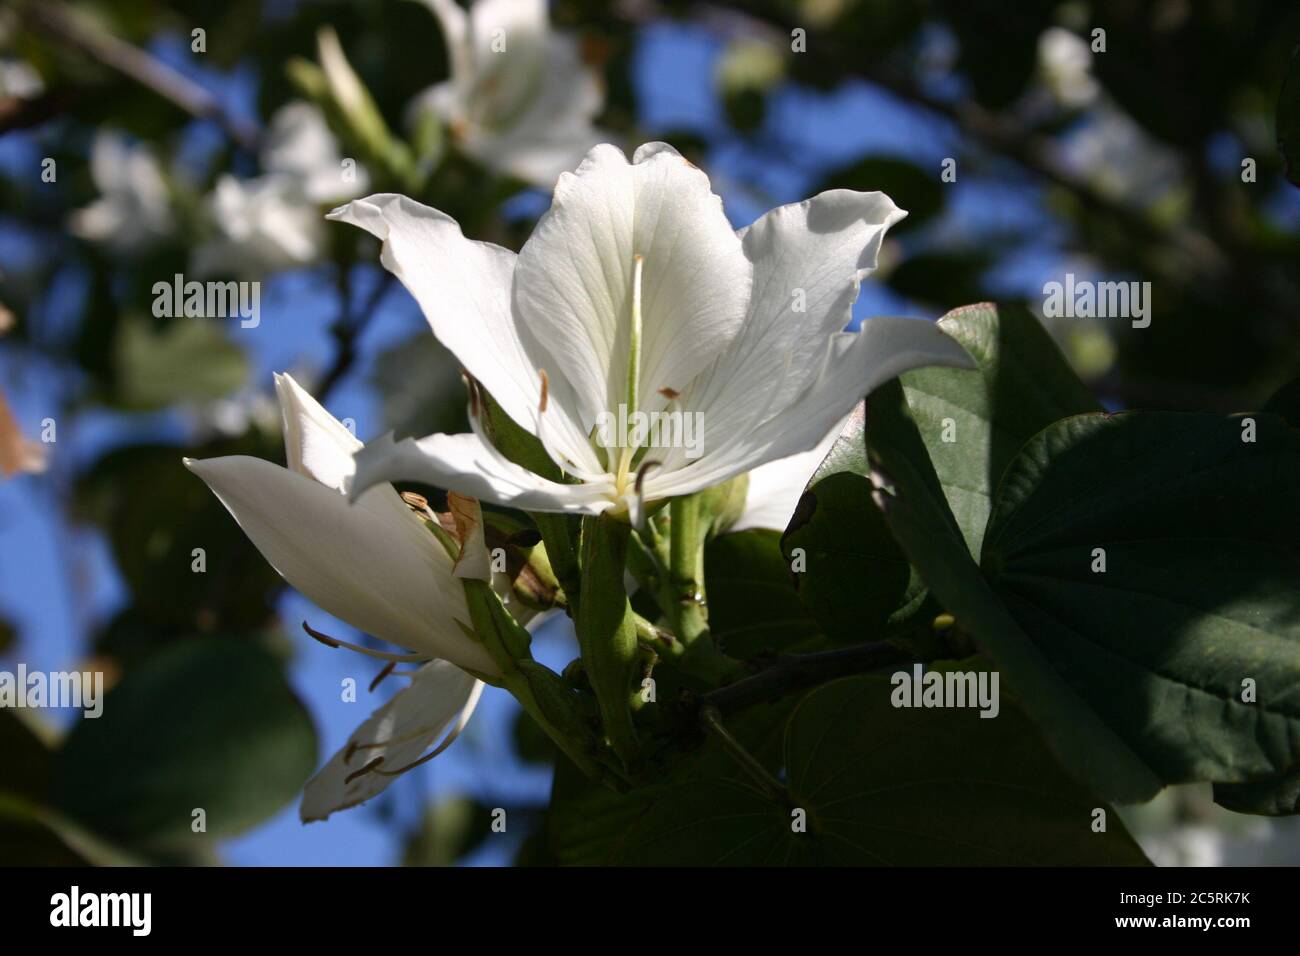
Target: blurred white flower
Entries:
(134, 212)
(259, 225)
(299, 144)
(741, 332)
(1113, 153)
(375, 565)
(19, 78)
(1065, 62)
(520, 99)
(273, 221)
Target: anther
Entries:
(388, 669)
(323, 638)
(641, 473)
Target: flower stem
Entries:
(686, 571)
(607, 630)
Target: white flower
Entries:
(634, 290)
(134, 211)
(1065, 62)
(519, 99)
(19, 79)
(373, 564)
(272, 221)
(260, 225)
(300, 145)
(438, 701)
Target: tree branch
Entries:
(348, 329)
(790, 672)
(57, 21)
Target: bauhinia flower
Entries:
(134, 211)
(301, 146)
(272, 221)
(634, 295)
(377, 566)
(519, 99)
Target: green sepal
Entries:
(607, 629)
(506, 639)
(722, 505)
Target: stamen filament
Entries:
(627, 451)
(381, 655)
(634, 340)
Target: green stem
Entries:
(607, 630)
(686, 570)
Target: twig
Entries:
(55, 19)
(790, 672)
(348, 328)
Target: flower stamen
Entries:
(335, 642)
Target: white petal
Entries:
(463, 288)
(316, 444)
(371, 563)
(441, 697)
(299, 143)
(260, 225)
(507, 45)
(854, 364)
(810, 256)
(573, 280)
(775, 488)
(553, 132)
(470, 466)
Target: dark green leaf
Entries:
(918, 514)
(1021, 385)
(206, 724)
(886, 786)
(1201, 588)
(753, 604)
(1275, 798)
(857, 582)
